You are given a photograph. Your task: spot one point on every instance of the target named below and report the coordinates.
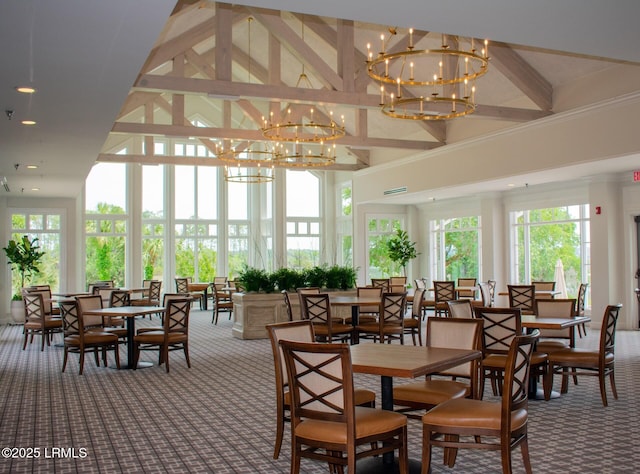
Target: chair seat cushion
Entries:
(495, 361)
(91, 337)
(157, 337)
(120, 332)
(149, 329)
(469, 413)
(49, 323)
(411, 323)
(551, 346)
(369, 421)
(579, 357)
(336, 328)
(429, 392)
(538, 358)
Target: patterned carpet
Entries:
(218, 416)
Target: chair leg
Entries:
(185, 347)
(81, 360)
(426, 451)
(165, 350)
(524, 447)
(66, 356)
(612, 380)
(116, 354)
(603, 389)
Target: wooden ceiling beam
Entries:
(199, 161)
(243, 134)
(522, 75)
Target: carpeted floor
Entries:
(218, 416)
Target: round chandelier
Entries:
(428, 84)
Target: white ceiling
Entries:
(84, 55)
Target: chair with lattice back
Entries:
(582, 361)
(390, 324)
(444, 291)
(37, 322)
(317, 307)
(301, 331)
(325, 423)
(80, 341)
(174, 335)
(522, 297)
(463, 423)
(413, 324)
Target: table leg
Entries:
(355, 317)
(205, 295)
(131, 332)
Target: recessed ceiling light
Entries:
(35, 189)
(28, 122)
(511, 185)
(32, 167)
(25, 89)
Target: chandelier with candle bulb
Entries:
(428, 84)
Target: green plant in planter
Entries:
(288, 279)
(256, 280)
(316, 276)
(24, 256)
(341, 278)
(401, 250)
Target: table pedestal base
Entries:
(141, 365)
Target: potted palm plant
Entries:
(24, 255)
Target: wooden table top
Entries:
(198, 286)
(354, 300)
(533, 322)
(125, 311)
(395, 360)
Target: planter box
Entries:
(253, 311)
(17, 311)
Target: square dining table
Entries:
(130, 313)
(531, 322)
(397, 360)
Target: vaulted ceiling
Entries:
(212, 67)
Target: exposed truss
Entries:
(202, 68)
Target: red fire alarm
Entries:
(598, 210)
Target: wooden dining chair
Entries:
(460, 309)
(37, 322)
(580, 307)
(380, 283)
(444, 291)
(317, 308)
(80, 341)
(463, 423)
(471, 294)
(287, 304)
(397, 284)
(599, 363)
(220, 305)
(413, 324)
(457, 382)
(552, 340)
(369, 313)
(312, 290)
(326, 425)
(301, 331)
(522, 297)
(544, 286)
(390, 324)
(501, 325)
(174, 335)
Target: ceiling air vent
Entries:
(401, 189)
(5, 183)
